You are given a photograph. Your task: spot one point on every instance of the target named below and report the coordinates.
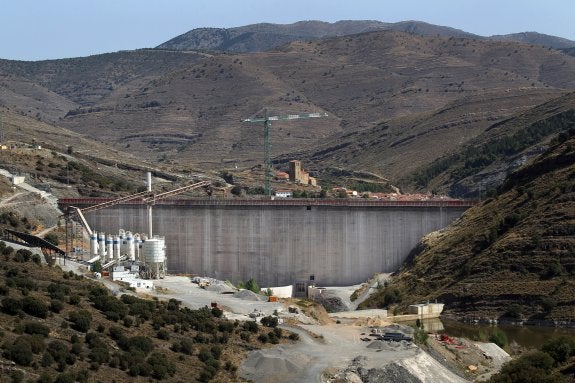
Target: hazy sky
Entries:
(47, 29)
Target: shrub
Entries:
(160, 366)
(499, 338)
(74, 299)
(534, 367)
(45, 378)
(34, 307)
(293, 336)
(36, 328)
(81, 320)
(20, 352)
(250, 326)
(560, 349)
(137, 343)
(56, 305)
(263, 338)
(23, 255)
(514, 311)
(11, 306)
(186, 346)
(115, 332)
(163, 334)
(270, 321)
(217, 312)
(100, 354)
(36, 342)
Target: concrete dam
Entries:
(282, 242)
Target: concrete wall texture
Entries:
(282, 245)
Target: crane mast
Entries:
(266, 120)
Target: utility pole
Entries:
(266, 120)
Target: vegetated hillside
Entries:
(85, 80)
(68, 164)
(266, 36)
(362, 81)
(537, 38)
(510, 257)
(403, 148)
(482, 163)
(59, 327)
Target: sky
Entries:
(51, 29)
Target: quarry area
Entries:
(342, 347)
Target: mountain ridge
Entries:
(265, 36)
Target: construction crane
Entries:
(266, 120)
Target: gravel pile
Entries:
(389, 345)
(269, 365)
(220, 288)
(391, 373)
(248, 295)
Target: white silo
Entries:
(110, 246)
(94, 243)
(130, 251)
(154, 254)
(102, 244)
(137, 247)
(117, 243)
(123, 245)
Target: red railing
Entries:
(351, 202)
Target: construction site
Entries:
(278, 242)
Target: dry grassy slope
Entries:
(87, 80)
(361, 80)
(456, 178)
(517, 248)
(48, 167)
(29, 98)
(404, 145)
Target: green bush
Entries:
(36, 328)
(34, 307)
(160, 366)
(81, 320)
(36, 342)
(499, 338)
(535, 367)
(163, 334)
(250, 326)
(23, 255)
(11, 306)
(560, 349)
(20, 352)
(263, 338)
(270, 321)
(514, 311)
(56, 305)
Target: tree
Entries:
(52, 238)
(81, 320)
(252, 285)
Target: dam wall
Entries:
(282, 243)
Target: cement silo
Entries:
(154, 255)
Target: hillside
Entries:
(482, 164)
(510, 257)
(49, 89)
(363, 82)
(266, 36)
(61, 327)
